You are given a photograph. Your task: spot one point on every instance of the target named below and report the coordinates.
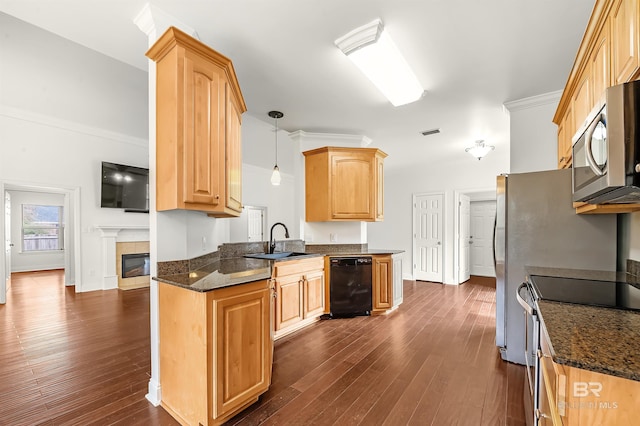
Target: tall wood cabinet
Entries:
(216, 350)
(344, 184)
(199, 110)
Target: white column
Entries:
(109, 273)
(153, 22)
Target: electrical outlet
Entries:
(204, 243)
(333, 238)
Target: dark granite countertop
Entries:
(598, 339)
(348, 250)
(226, 272)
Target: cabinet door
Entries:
(241, 346)
(582, 99)
(625, 38)
(233, 154)
(313, 294)
(352, 189)
(288, 301)
(600, 61)
(204, 106)
(382, 285)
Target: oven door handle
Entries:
(522, 302)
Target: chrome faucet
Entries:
(272, 242)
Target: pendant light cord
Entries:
(276, 119)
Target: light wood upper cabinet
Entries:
(625, 36)
(565, 132)
(344, 184)
(198, 118)
(582, 99)
(600, 66)
(215, 350)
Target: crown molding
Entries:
(45, 120)
(534, 101)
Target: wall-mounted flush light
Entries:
(275, 176)
(375, 54)
(479, 149)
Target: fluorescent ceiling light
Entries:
(375, 54)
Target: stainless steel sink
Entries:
(272, 256)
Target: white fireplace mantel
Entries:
(110, 235)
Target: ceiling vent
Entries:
(430, 132)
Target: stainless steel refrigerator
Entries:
(536, 225)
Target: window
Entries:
(42, 228)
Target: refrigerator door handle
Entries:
(495, 225)
(522, 302)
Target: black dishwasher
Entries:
(350, 286)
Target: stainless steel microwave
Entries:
(606, 150)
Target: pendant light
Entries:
(275, 176)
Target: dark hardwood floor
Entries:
(83, 359)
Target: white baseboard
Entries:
(155, 393)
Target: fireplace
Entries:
(135, 265)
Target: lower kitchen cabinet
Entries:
(216, 350)
(300, 299)
(387, 283)
(571, 396)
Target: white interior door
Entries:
(465, 240)
(6, 281)
(255, 223)
(428, 231)
(483, 214)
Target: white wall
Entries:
(63, 110)
(32, 261)
(463, 175)
(533, 135)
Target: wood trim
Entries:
(584, 208)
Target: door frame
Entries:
(72, 252)
(414, 261)
(480, 194)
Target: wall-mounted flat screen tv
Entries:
(125, 187)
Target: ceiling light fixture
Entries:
(275, 176)
(479, 149)
(375, 54)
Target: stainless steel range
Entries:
(608, 294)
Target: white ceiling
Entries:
(471, 57)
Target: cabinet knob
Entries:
(217, 197)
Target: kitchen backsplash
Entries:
(633, 268)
